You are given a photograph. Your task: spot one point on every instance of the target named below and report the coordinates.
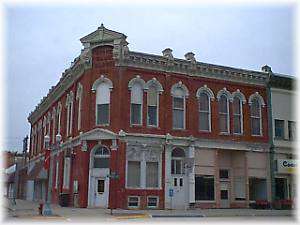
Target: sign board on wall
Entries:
(286, 166)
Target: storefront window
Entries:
(204, 188)
(257, 189)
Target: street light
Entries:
(47, 209)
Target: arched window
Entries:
(204, 112)
(154, 88)
(178, 156)
(237, 116)
(255, 111)
(179, 94)
(136, 104)
(101, 157)
(224, 114)
(102, 103)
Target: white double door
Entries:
(179, 186)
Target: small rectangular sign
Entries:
(171, 192)
(286, 166)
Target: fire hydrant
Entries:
(41, 205)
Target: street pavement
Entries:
(28, 210)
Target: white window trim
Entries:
(241, 117)
(79, 99)
(157, 201)
(66, 178)
(141, 114)
(143, 177)
(102, 124)
(228, 116)
(209, 112)
(134, 196)
(184, 112)
(260, 121)
(157, 111)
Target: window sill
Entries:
(256, 135)
(136, 125)
(102, 125)
(238, 134)
(178, 129)
(224, 133)
(144, 188)
(204, 131)
(205, 201)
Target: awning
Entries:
(38, 172)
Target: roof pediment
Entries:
(102, 35)
(98, 134)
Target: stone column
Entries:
(168, 177)
(191, 175)
(246, 179)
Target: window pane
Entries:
(204, 188)
(223, 123)
(203, 102)
(133, 201)
(224, 174)
(255, 126)
(237, 124)
(103, 114)
(136, 94)
(136, 110)
(101, 162)
(255, 108)
(151, 174)
(178, 118)
(152, 115)
(178, 103)
(178, 152)
(100, 186)
(292, 130)
(223, 104)
(204, 121)
(103, 94)
(152, 97)
(178, 166)
(152, 201)
(279, 128)
(236, 106)
(133, 174)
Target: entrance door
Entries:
(178, 199)
(101, 192)
(224, 194)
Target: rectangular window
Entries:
(175, 182)
(100, 186)
(292, 130)
(178, 113)
(151, 174)
(181, 182)
(239, 188)
(152, 115)
(279, 129)
(136, 114)
(281, 188)
(204, 188)
(257, 189)
(224, 174)
(152, 202)
(255, 126)
(101, 162)
(204, 121)
(237, 116)
(176, 166)
(133, 174)
(152, 101)
(224, 194)
(102, 114)
(67, 168)
(133, 202)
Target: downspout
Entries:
(271, 140)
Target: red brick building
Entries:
(146, 131)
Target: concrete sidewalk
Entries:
(24, 208)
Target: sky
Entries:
(40, 41)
